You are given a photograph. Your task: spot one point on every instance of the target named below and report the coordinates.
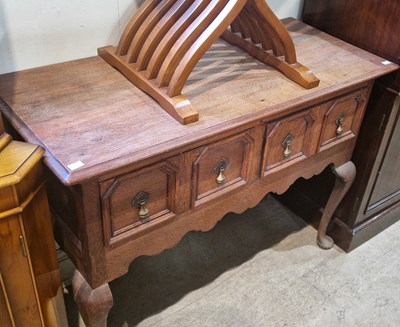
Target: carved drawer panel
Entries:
(289, 140)
(342, 118)
(221, 167)
(137, 200)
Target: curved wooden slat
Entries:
(265, 41)
(186, 40)
(255, 34)
(243, 27)
(202, 44)
(276, 42)
(235, 28)
(172, 36)
(136, 21)
(273, 39)
(159, 31)
(147, 26)
(281, 33)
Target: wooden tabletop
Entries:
(86, 114)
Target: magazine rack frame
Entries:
(165, 39)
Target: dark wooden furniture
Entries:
(165, 40)
(127, 180)
(30, 284)
(373, 202)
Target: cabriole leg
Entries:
(93, 304)
(345, 175)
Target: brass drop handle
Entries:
(287, 153)
(221, 176)
(220, 170)
(143, 212)
(339, 124)
(140, 201)
(287, 142)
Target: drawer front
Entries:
(289, 140)
(137, 200)
(221, 167)
(342, 118)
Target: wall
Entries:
(40, 32)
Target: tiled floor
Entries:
(260, 268)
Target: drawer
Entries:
(137, 200)
(289, 140)
(342, 118)
(221, 167)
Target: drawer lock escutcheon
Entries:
(287, 142)
(140, 201)
(339, 124)
(220, 170)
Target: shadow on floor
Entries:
(155, 283)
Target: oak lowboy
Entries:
(126, 180)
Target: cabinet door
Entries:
(387, 185)
(16, 275)
(6, 318)
(338, 18)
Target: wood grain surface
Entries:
(80, 110)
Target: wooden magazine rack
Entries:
(165, 39)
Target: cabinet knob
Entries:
(220, 170)
(287, 142)
(140, 201)
(339, 124)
